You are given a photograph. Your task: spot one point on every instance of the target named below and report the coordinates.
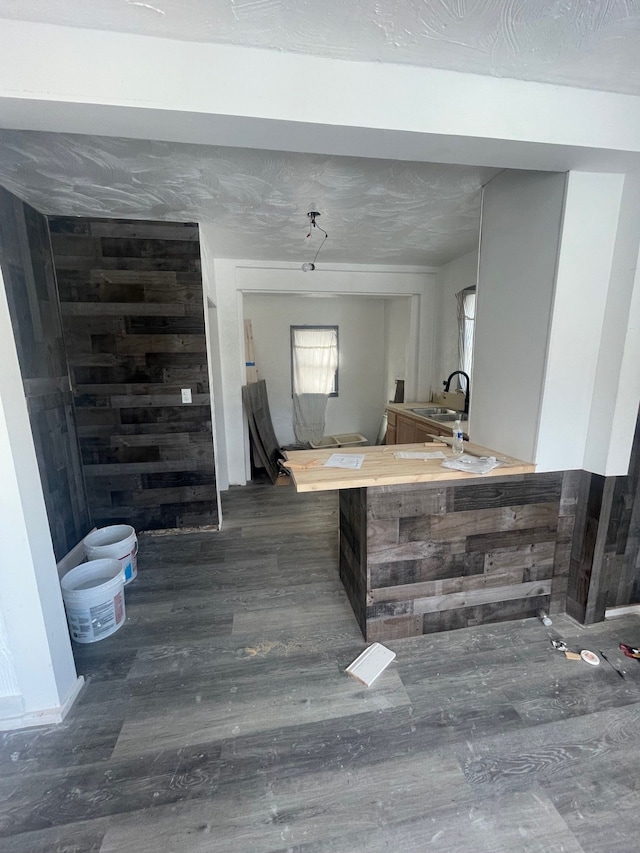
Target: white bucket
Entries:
(93, 595)
(118, 542)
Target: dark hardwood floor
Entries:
(219, 718)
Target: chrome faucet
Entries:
(447, 383)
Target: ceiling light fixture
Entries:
(309, 266)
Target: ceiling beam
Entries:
(85, 81)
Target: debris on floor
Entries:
(544, 617)
(586, 655)
(180, 531)
(371, 663)
(629, 651)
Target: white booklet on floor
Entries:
(371, 663)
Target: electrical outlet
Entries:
(186, 395)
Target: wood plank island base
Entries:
(426, 549)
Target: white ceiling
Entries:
(375, 211)
(593, 44)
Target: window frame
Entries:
(466, 359)
(315, 327)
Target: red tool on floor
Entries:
(630, 651)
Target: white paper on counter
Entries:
(345, 460)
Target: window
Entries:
(314, 360)
(466, 327)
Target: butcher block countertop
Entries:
(381, 468)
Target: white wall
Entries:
(453, 277)
(396, 337)
(360, 402)
(34, 626)
(521, 220)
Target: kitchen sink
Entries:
(440, 415)
(430, 411)
(450, 417)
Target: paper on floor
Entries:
(371, 663)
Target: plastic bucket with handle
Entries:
(118, 542)
(93, 595)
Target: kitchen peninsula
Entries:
(425, 548)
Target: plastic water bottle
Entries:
(544, 618)
(458, 446)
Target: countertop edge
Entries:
(337, 478)
(408, 480)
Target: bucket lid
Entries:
(109, 535)
(91, 570)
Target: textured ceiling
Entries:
(375, 211)
(587, 43)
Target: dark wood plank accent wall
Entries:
(133, 318)
(27, 267)
(605, 563)
(438, 557)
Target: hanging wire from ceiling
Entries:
(313, 214)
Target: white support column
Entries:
(569, 408)
(616, 392)
(36, 637)
(521, 223)
(219, 276)
(556, 377)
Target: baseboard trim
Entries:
(625, 610)
(73, 558)
(46, 717)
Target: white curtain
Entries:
(308, 417)
(314, 359)
(466, 326)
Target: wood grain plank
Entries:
(444, 587)
(538, 555)
(475, 522)
(123, 309)
(486, 595)
(134, 344)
